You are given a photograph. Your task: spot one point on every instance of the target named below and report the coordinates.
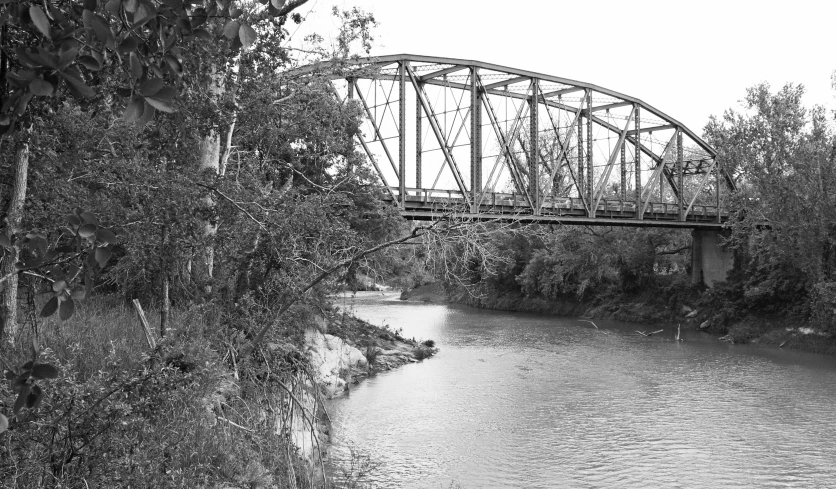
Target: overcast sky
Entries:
(687, 59)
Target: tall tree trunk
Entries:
(14, 215)
(210, 160)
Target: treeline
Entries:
(156, 151)
(781, 157)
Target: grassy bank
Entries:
(187, 413)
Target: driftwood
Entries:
(678, 332)
(590, 322)
(649, 334)
(148, 336)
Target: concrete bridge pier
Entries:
(710, 262)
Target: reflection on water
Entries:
(521, 400)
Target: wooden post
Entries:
(145, 327)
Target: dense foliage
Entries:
(156, 151)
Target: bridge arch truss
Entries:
(489, 141)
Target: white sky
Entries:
(687, 59)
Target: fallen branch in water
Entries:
(590, 322)
(649, 334)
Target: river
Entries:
(531, 401)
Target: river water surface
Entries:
(530, 401)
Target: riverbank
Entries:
(343, 350)
(655, 308)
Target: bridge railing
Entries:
(514, 203)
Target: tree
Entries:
(782, 157)
(91, 52)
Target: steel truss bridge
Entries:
(488, 142)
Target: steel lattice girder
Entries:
(540, 130)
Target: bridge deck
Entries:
(429, 204)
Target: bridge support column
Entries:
(710, 262)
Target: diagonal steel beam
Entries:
(648, 189)
(563, 149)
(363, 143)
(377, 132)
(599, 192)
(558, 105)
(506, 145)
(699, 189)
(439, 135)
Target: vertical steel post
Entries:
(402, 132)
(590, 171)
(623, 171)
(418, 140)
(534, 147)
(579, 130)
(475, 139)
(717, 169)
(662, 182)
(638, 165)
(680, 170)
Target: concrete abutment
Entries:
(710, 261)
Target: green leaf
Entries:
(78, 295)
(114, 6)
(175, 64)
(136, 66)
(134, 110)
(39, 19)
(9, 375)
(87, 18)
(235, 12)
(151, 86)
(72, 219)
(144, 13)
(128, 44)
(102, 30)
(50, 308)
(40, 87)
(67, 309)
(4, 423)
(88, 217)
(90, 5)
(59, 285)
(105, 236)
(5, 242)
(67, 53)
(159, 104)
(166, 93)
(147, 115)
(34, 397)
(202, 34)
(247, 35)
(44, 371)
(90, 63)
(21, 398)
(102, 256)
(87, 230)
(277, 4)
(231, 29)
(78, 85)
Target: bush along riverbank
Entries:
(670, 300)
(128, 408)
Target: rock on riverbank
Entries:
(341, 351)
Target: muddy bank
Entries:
(651, 308)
